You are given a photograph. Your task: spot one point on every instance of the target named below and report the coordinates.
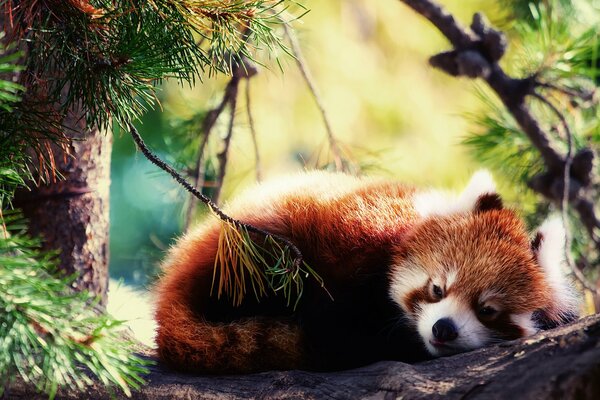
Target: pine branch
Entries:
(476, 54)
(287, 266)
(585, 95)
(50, 335)
(25, 122)
(108, 58)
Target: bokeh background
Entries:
(392, 114)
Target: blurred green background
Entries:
(393, 114)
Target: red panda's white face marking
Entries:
(526, 322)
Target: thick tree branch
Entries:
(442, 20)
(563, 363)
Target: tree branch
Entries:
(563, 363)
(476, 54)
(222, 156)
(282, 241)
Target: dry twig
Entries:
(566, 195)
(242, 69)
(304, 70)
(257, 166)
(207, 125)
(222, 156)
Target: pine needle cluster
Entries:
(268, 268)
(51, 336)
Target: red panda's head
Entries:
(468, 273)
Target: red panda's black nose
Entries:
(444, 330)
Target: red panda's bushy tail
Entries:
(187, 341)
(190, 344)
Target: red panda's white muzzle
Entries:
(449, 327)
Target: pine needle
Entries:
(50, 335)
(270, 268)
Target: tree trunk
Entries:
(560, 364)
(71, 214)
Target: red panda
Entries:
(410, 275)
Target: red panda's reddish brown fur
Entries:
(350, 230)
(306, 214)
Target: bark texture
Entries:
(560, 364)
(72, 214)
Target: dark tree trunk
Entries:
(560, 364)
(71, 214)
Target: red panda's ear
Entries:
(441, 203)
(536, 243)
(548, 246)
(487, 202)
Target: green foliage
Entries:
(9, 91)
(557, 41)
(108, 58)
(11, 154)
(50, 335)
(502, 145)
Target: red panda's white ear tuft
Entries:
(549, 249)
(440, 203)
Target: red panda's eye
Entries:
(438, 292)
(487, 311)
